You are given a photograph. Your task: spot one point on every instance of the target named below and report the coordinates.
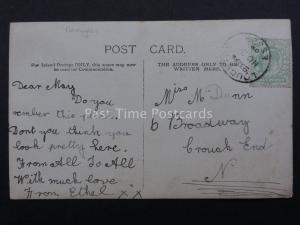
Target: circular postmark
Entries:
(245, 58)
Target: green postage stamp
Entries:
(279, 72)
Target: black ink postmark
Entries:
(246, 57)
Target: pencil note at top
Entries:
(131, 110)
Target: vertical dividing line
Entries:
(143, 124)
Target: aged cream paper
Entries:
(174, 109)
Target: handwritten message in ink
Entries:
(150, 110)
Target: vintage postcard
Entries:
(133, 110)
